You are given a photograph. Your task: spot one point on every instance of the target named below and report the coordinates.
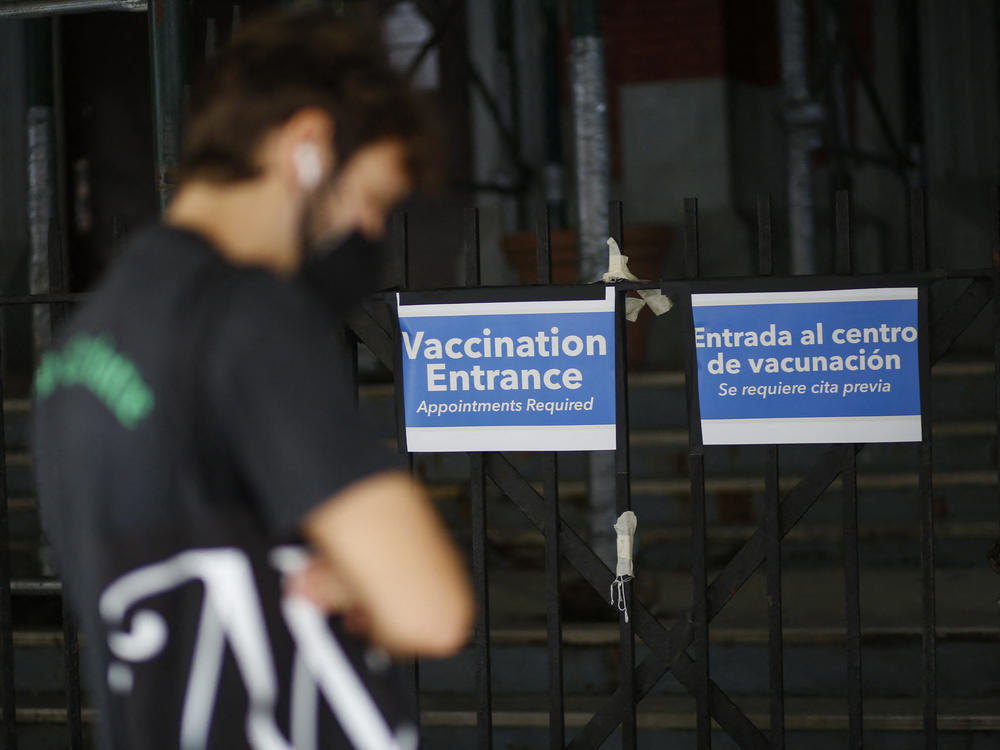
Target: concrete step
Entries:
(968, 648)
(669, 547)
(677, 712)
(813, 597)
(520, 721)
(815, 663)
(39, 663)
(669, 721)
(959, 497)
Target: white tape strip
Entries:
(625, 528)
(618, 270)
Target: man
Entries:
(201, 472)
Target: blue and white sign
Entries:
(835, 366)
(509, 376)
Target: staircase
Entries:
(968, 591)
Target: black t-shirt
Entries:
(189, 416)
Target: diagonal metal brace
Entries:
(374, 333)
(737, 571)
(751, 555)
(959, 316)
(667, 647)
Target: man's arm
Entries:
(395, 564)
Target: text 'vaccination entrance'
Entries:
(525, 375)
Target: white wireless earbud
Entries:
(308, 166)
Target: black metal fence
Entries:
(680, 647)
(683, 647)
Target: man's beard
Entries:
(343, 270)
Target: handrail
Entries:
(40, 8)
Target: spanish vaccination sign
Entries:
(509, 376)
(835, 366)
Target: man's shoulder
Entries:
(257, 301)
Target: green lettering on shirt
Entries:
(92, 362)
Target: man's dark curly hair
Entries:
(279, 63)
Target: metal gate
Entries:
(681, 647)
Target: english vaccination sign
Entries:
(509, 376)
(834, 366)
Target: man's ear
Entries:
(305, 149)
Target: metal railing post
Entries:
(477, 491)
(772, 522)
(8, 701)
(623, 496)
(553, 609)
(699, 542)
(166, 54)
(994, 553)
(926, 481)
(849, 477)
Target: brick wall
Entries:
(659, 40)
(662, 40)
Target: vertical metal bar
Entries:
(842, 230)
(71, 639)
(557, 732)
(849, 478)
(57, 274)
(74, 697)
(691, 242)
(7, 696)
(926, 485)
(699, 574)
(543, 246)
(557, 729)
(41, 165)
(699, 544)
(399, 237)
(477, 493)
(166, 50)
(995, 551)
(590, 121)
(852, 583)
(555, 192)
(400, 243)
(60, 152)
(911, 87)
(623, 497)
(918, 229)
(211, 37)
(775, 639)
(616, 223)
(772, 522)
(470, 246)
(765, 248)
(803, 117)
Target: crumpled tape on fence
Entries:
(658, 302)
(625, 528)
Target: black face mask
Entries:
(343, 272)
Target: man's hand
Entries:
(320, 584)
(388, 559)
